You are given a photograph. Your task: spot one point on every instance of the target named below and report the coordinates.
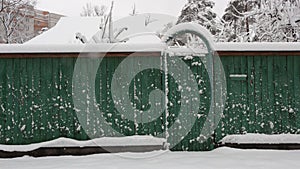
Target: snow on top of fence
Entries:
(135, 47)
(103, 142)
(256, 46)
(78, 48)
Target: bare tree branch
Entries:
(12, 17)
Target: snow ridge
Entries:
(103, 142)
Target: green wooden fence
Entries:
(37, 105)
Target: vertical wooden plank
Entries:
(220, 131)
(271, 94)
(225, 126)
(147, 86)
(16, 102)
(278, 90)
(103, 89)
(250, 94)
(184, 144)
(60, 99)
(258, 94)
(100, 94)
(97, 133)
(83, 105)
(86, 104)
(244, 104)
(48, 105)
(43, 105)
(192, 139)
(296, 95)
(157, 79)
(30, 121)
(132, 125)
(115, 113)
(23, 112)
(265, 113)
(237, 86)
(68, 67)
(34, 104)
(292, 116)
(55, 98)
(9, 125)
(205, 89)
(138, 95)
(111, 114)
(284, 96)
(233, 100)
(78, 131)
(197, 66)
(3, 96)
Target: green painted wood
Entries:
(10, 123)
(233, 97)
(30, 122)
(296, 94)
(278, 90)
(37, 93)
(271, 99)
(258, 94)
(3, 96)
(23, 112)
(264, 95)
(237, 86)
(251, 94)
(244, 102)
(292, 116)
(55, 97)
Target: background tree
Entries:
(200, 11)
(279, 21)
(262, 21)
(133, 12)
(239, 19)
(93, 10)
(12, 19)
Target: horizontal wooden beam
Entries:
(80, 151)
(142, 54)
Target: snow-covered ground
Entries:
(222, 158)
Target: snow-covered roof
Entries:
(67, 27)
(65, 30)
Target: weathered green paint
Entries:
(36, 99)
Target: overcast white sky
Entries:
(122, 7)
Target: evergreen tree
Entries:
(239, 19)
(200, 11)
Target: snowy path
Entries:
(223, 158)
